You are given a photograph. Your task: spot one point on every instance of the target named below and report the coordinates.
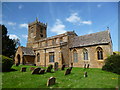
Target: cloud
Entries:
(99, 5)
(24, 25)
(75, 19)
(25, 36)
(20, 6)
(11, 23)
(12, 36)
(58, 27)
(87, 22)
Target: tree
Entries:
(9, 46)
(112, 64)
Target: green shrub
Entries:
(6, 63)
(112, 64)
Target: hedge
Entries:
(6, 63)
(112, 64)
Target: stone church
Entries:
(67, 48)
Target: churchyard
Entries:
(77, 78)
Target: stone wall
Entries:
(92, 56)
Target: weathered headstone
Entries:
(17, 64)
(34, 64)
(85, 74)
(36, 71)
(67, 71)
(85, 66)
(88, 65)
(56, 66)
(42, 71)
(71, 64)
(32, 68)
(63, 67)
(23, 69)
(49, 68)
(71, 69)
(51, 81)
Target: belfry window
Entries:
(100, 53)
(38, 57)
(51, 56)
(85, 54)
(75, 56)
(41, 30)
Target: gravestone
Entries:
(36, 71)
(71, 69)
(34, 64)
(85, 74)
(88, 65)
(17, 64)
(67, 71)
(56, 66)
(42, 71)
(49, 68)
(85, 66)
(23, 69)
(63, 67)
(71, 64)
(51, 81)
(32, 68)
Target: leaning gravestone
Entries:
(23, 69)
(49, 68)
(63, 67)
(56, 66)
(88, 65)
(51, 81)
(42, 71)
(85, 66)
(67, 71)
(32, 68)
(70, 69)
(36, 71)
(85, 74)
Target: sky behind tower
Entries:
(82, 17)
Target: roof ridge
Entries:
(94, 33)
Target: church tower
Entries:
(36, 31)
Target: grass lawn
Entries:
(96, 79)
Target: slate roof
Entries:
(91, 39)
(28, 51)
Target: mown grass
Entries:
(96, 79)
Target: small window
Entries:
(75, 56)
(85, 54)
(99, 53)
(41, 30)
(46, 43)
(41, 35)
(53, 42)
(61, 40)
(38, 57)
(51, 57)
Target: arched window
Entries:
(85, 54)
(75, 56)
(38, 57)
(99, 53)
